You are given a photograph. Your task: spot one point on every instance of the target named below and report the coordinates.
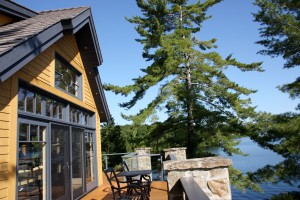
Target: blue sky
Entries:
(232, 24)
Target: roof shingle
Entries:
(14, 34)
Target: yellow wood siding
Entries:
(5, 131)
(40, 73)
(5, 20)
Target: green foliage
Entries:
(111, 138)
(287, 196)
(241, 181)
(281, 134)
(280, 21)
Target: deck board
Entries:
(159, 191)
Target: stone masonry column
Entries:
(179, 153)
(210, 173)
(143, 158)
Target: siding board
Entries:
(5, 93)
(3, 167)
(3, 193)
(33, 72)
(3, 184)
(3, 151)
(4, 100)
(4, 132)
(3, 142)
(4, 108)
(3, 159)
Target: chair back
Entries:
(112, 177)
(130, 191)
(124, 166)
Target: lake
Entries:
(258, 157)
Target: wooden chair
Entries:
(144, 181)
(128, 191)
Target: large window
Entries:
(33, 102)
(66, 77)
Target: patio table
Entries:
(144, 178)
(133, 173)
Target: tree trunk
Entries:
(191, 140)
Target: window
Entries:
(89, 156)
(80, 117)
(33, 102)
(32, 161)
(66, 77)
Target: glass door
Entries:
(32, 159)
(60, 162)
(77, 162)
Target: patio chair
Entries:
(128, 191)
(144, 181)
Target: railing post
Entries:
(162, 168)
(106, 161)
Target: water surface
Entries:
(257, 158)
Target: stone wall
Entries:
(211, 174)
(140, 160)
(143, 158)
(179, 153)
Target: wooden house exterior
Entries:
(51, 103)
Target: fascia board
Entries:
(14, 59)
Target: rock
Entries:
(218, 187)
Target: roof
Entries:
(22, 41)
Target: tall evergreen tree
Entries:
(194, 89)
(280, 30)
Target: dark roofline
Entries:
(15, 10)
(105, 108)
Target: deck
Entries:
(159, 191)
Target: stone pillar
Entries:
(179, 153)
(143, 158)
(211, 174)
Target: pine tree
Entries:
(194, 89)
(280, 30)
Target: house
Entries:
(51, 103)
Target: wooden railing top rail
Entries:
(192, 189)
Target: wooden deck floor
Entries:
(158, 192)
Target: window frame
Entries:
(65, 109)
(44, 142)
(63, 61)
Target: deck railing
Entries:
(191, 190)
(157, 166)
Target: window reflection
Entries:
(21, 98)
(89, 149)
(29, 101)
(31, 163)
(33, 102)
(77, 160)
